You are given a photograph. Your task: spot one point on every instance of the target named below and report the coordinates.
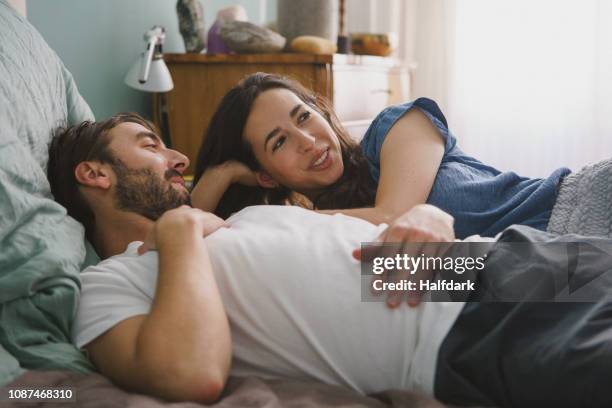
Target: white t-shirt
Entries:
(292, 292)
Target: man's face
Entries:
(148, 175)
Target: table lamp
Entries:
(150, 73)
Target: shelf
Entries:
(280, 58)
(283, 58)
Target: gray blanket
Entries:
(584, 204)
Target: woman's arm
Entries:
(216, 180)
(409, 160)
(425, 225)
(370, 214)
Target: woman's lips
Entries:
(322, 162)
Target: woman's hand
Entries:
(421, 230)
(172, 221)
(235, 172)
(240, 172)
(216, 180)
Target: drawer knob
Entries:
(375, 91)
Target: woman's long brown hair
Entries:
(224, 141)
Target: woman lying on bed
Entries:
(270, 139)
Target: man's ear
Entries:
(265, 180)
(93, 174)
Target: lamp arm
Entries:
(146, 60)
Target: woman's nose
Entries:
(306, 141)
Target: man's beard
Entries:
(145, 193)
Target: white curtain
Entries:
(526, 84)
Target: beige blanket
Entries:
(94, 390)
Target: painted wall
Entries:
(99, 40)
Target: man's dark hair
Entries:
(88, 141)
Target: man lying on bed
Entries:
(285, 280)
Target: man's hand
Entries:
(425, 225)
(177, 224)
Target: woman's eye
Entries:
(279, 142)
(304, 116)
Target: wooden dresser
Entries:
(358, 86)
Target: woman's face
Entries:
(293, 143)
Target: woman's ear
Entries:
(93, 174)
(265, 180)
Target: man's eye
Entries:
(279, 142)
(154, 146)
(304, 116)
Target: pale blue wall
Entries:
(99, 40)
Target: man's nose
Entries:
(178, 161)
(306, 141)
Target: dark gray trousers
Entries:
(531, 352)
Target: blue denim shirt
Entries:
(482, 199)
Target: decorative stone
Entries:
(248, 38)
(308, 44)
(216, 45)
(307, 17)
(191, 24)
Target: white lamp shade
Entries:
(159, 79)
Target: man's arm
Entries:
(182, 349)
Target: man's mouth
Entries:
(322, 161)
(177, 180)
